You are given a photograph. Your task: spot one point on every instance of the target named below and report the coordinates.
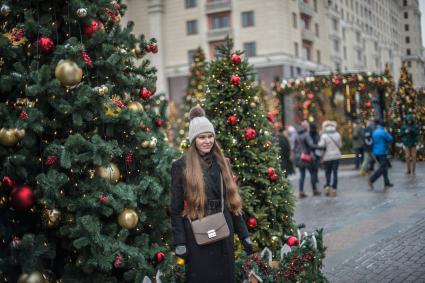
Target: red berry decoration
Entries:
(129, 157)
(145, 94)
(103, 198)
(235, 80)
(22, 198)
(8, 181)
(90, 29)
(270, 117)
(51, 160)
(86, 58)
(232, 120)
(118, 103)
(159, 257)
(251, 223)
(118, 261)
(24, 116)
(236, 59)
(46, 44)
(250, 134)
(159, 123)
(292, 241)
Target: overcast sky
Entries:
(422, 7)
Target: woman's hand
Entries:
(247, 245)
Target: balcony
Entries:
(219, 34)
(218, 6)
(308, 35)
(306, 8)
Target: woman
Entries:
(304, 158)
(196, 193)
(331, 141)
(409, 136)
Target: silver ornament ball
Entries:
(82, 12)
(5, 10)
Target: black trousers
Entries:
(382, 170)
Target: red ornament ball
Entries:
(310, 95)
(273, 177)
(236, 59)
(154, 48)
(271, 171)
(22, 198)
(46, 44)
(368, 104)
(8, 181)
(235, 80)
(251, 223)
(159, 123)
(159, 257)
(292, 241)
(270, 117)
(118, 261)
(24, 116)
(145, 93)
(90, 29)
(306, 103)
(232, 120)
(250, 134)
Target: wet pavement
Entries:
(371, 236)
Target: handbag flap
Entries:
(211, 222)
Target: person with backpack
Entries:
(409, 136)
(331, 142)
(368, 161)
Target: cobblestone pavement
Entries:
(372, 236)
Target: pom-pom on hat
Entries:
(199, 123)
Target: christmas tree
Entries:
(244, 133)
(195, 95)
(82, 147)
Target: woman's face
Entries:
(204, 142)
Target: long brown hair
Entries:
(195, 186)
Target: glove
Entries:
(247, 245)
(181, 251)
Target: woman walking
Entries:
(331, 141)
(202, 185)
(409, 136)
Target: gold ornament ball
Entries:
(253, 104)
(20, 133)
(68, 73)
(274, 241)
(128, 219)
(102, 90)
(33, 277)
(135, 106)
(111, 172)
(145, 144)
(51, 217)
(10, 137)
(153, 142)
(180, 261)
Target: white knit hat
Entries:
(199, 123)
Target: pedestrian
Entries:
(303, 156)
(381, 140)
(202, 185)
(331, 141)
(357, 138)
(410, 136)
(369, 160)
(285, 153)
(315, 137)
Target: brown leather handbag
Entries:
(211, 228)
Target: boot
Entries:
(302, 195)
(332, 192)
(408, 166)
(327, 191)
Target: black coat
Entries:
(208, 263)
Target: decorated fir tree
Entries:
(82, 147)
(195, 95)
(245, 136)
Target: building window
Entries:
(250, 49)
(407, 39)
(337, 67)
(214, 48)
(296, 49)
(305, 21)
(291, 71)
(335, 24)
(359, 55)
(248, 19)
(376, 45)
(298, 71)
(406, 15)
(358, 36)
(319, 59)
(405, 3)
(406, 27)
(344, 51)
(316, 29)
(294, 20)
(191, 55)
(315, 5)
(408, 52)
(306, 51)
(189, 4)
(409, 64)
(336, 45)
(219, 21)
(192, 27)
(343, 33)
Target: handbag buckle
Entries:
(211, 233)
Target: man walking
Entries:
(381, 140)
(358, 143)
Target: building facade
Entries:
(282, 38)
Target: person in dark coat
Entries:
(410, 137)
(196, 193)
(315, 138)
(285, 153)
(304, 147)
(358, 143)
(368, 161)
